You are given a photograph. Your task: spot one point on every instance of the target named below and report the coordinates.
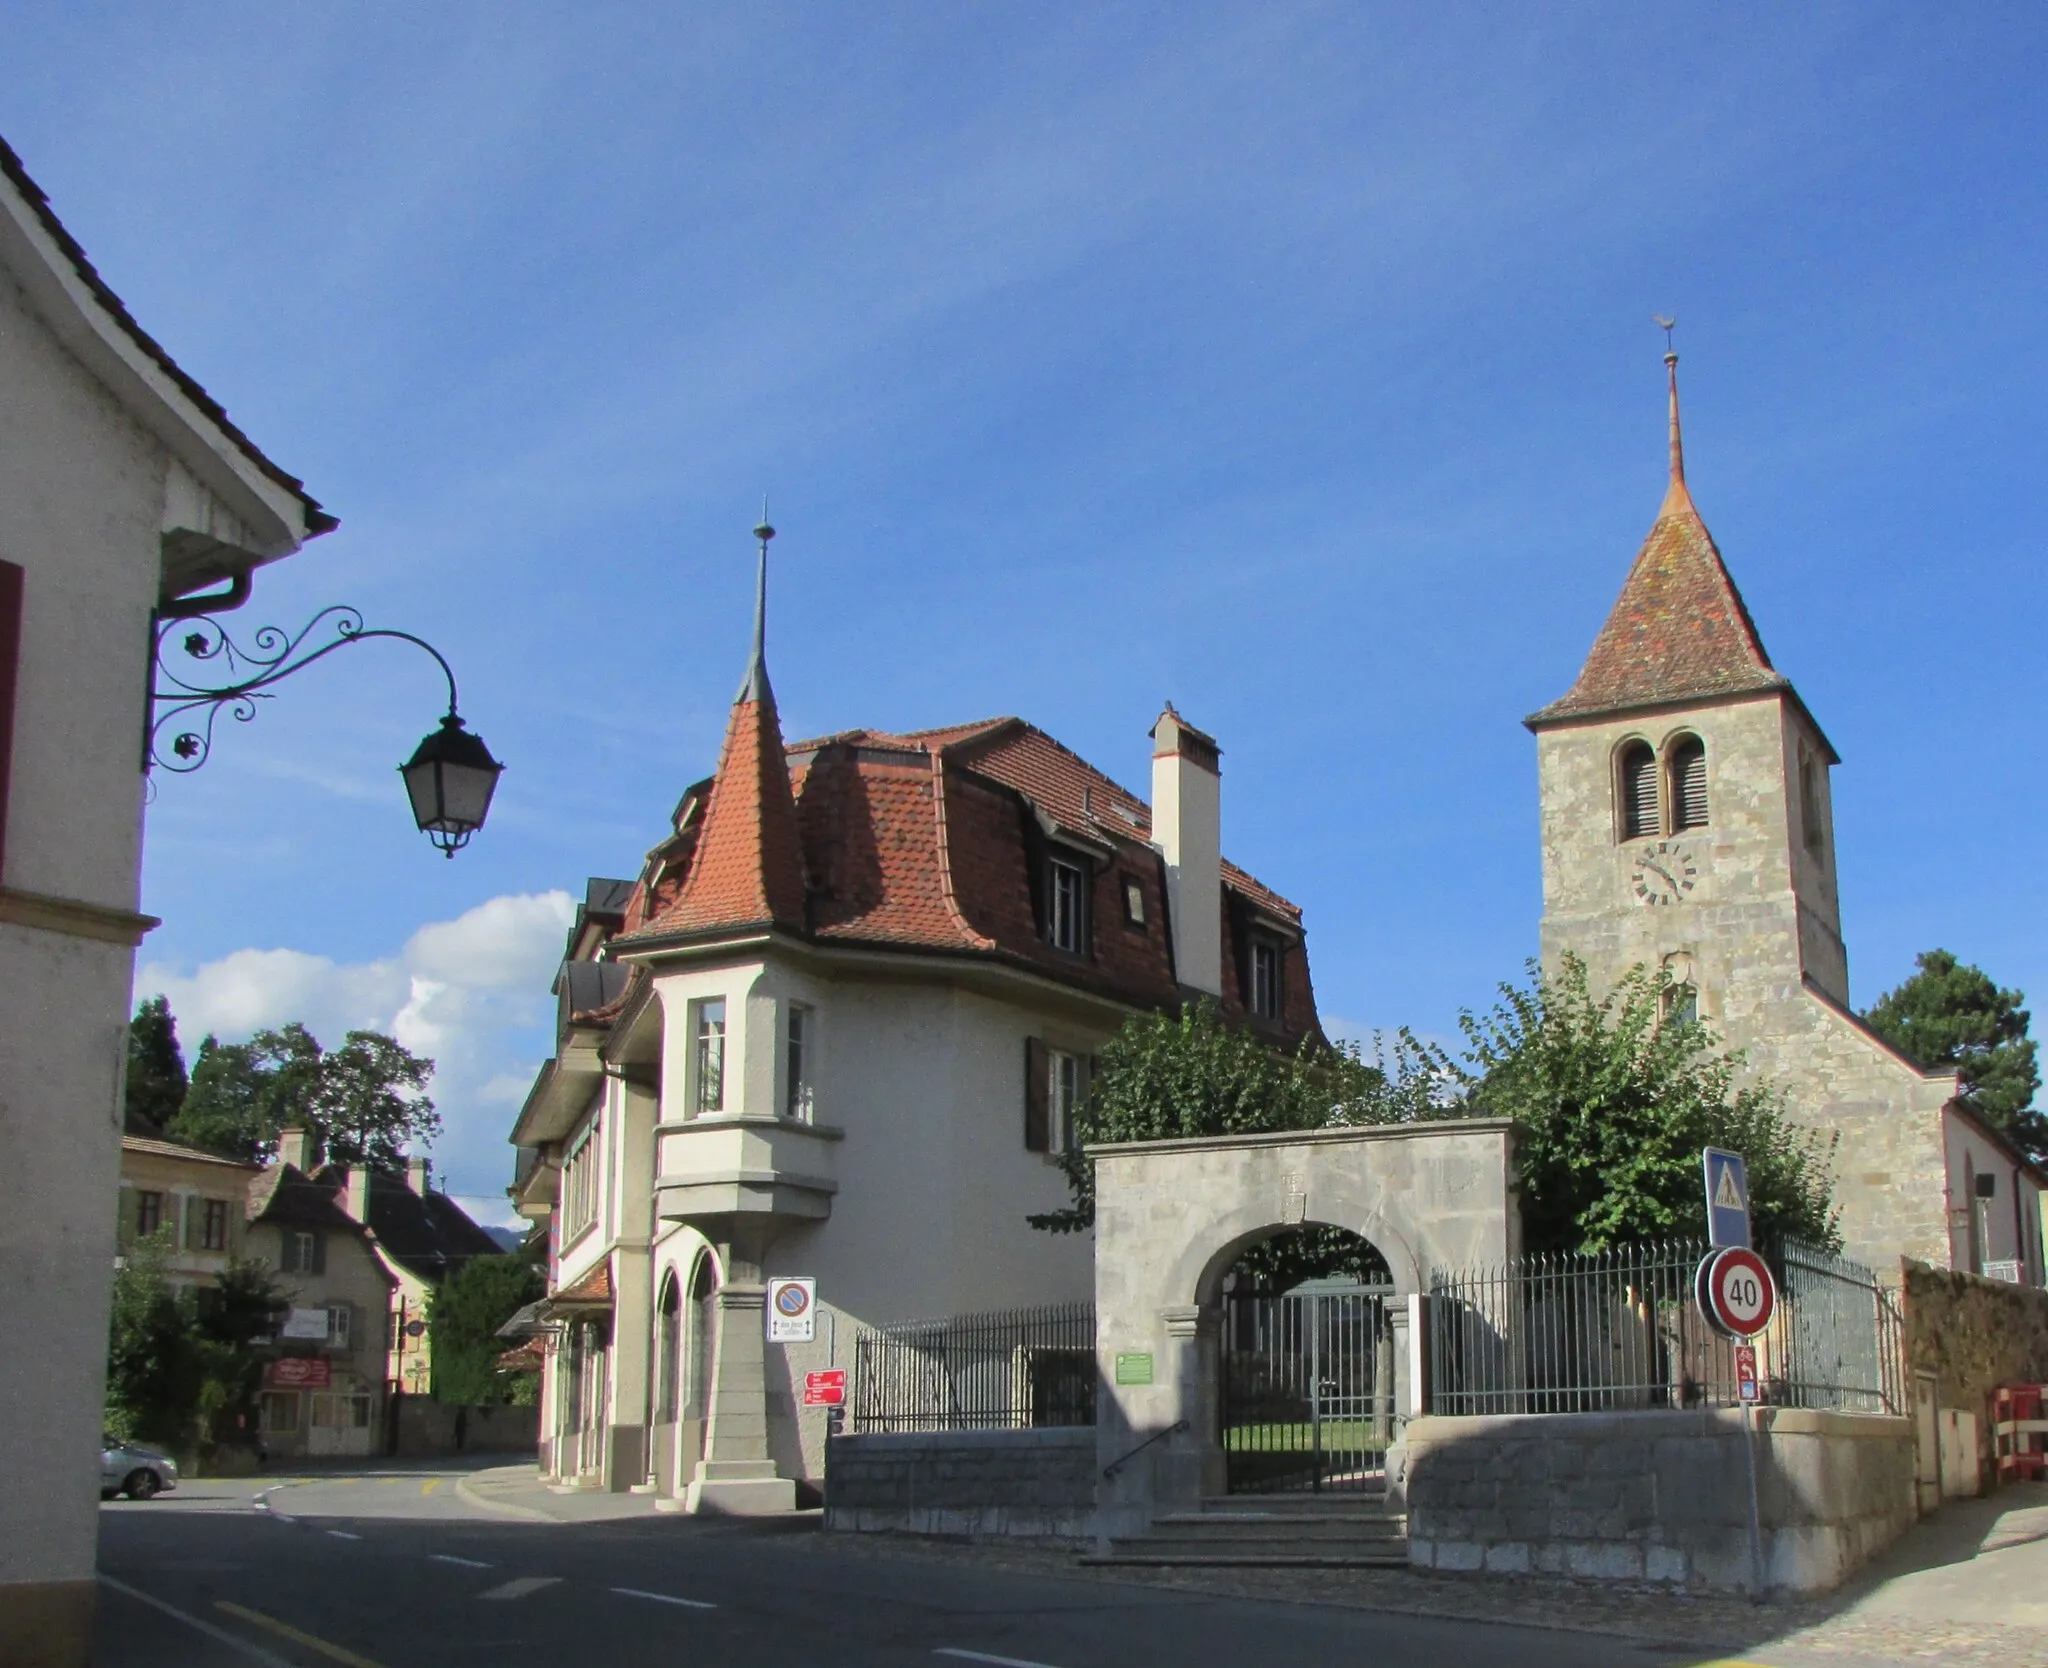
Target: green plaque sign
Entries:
(1133, 1369)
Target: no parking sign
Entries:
(792, 1309)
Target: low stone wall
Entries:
(1023, 1484)
(1973, 1334)
(427, 1428)
(1658, 1496)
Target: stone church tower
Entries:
(1687, 824)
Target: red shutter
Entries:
(11, 594)
(1037, 1130)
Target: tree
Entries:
(1612, 1104)
(1951, 1014)
(365, 1101)
(156, 1068)
(463, 1317)
(156, 1367)
(242, 1309)
(1187, 1073)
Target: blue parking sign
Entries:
(1727, 1178)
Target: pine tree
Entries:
(1951, 1014)
(156, 1068)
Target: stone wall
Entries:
(1028, 1484)
(427, 1427)
(1658, 1496)
(1973, 1335)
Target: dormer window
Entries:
(1688, 771)
(1638, 789)
(1265, 977)
(1134, 902)
(1066, 905)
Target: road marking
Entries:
(343, 1535)
(450, 1558)
(199, 1624)
(430, 1486)
(664, 1598)
(284, 1630)
(983, 1656)
(520, 1586)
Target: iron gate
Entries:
(1307, 1388)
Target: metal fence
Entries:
(1008, 1370)
(1621, 1329)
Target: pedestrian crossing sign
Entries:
(1727, 1177)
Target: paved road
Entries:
(420, 1568)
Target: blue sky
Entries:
(1292, 362)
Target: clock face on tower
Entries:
(1664, 873)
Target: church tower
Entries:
(1687, 825)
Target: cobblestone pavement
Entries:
(1930, 1600)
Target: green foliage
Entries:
(365, 1101)
(1951, 1014)
(1612, 1106)
(156, 1068)
(463, 1317)
(181, 1364)
(1314, 1252)
(1168, 1075)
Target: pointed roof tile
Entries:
(1680, 630)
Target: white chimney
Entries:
(417, 1170)
(295, 1147)
(356, 1195)
(1187, 827)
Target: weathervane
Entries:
(1667, 325)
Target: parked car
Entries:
(130, 1469)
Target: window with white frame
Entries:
(709, 1065)
(799, 1050)
(213, 1225)
(1265, 979)
(1066, 905)
(579, 1182)
(340, 1323)
(1066, 1086)
(303, 1252)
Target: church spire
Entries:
(754, 687)
(1677, 500)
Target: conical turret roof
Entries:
(1680, 630)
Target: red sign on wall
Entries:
(1745, 1373)
(300, 1372)
(826, 1389)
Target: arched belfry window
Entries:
(1688, 783)
(1637, 783)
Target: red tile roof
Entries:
(594, 1287)
(1680, 630)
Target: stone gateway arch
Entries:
(1171, 1217)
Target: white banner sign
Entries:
(305, 1323)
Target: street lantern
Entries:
(450, 779)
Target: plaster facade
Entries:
(121, 485)
(1172, 1216)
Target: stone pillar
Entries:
(736, 1474)
(1190, 1466)
(1408, 1319)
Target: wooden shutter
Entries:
(1638, 791)
(1689, 784)
(11, 594)
(1037, 1125)
(319, 1253)
(193, 1235)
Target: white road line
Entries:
(983, 1656)
(450, 1558)
(664, 1598)
(199, 1624)
(343, 1535)
(520, 1586)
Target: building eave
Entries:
(1556, 718)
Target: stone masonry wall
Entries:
(1026, 1484)
(1974, 1335)
(1658, 1496)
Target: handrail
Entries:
(1110, 1470)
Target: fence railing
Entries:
(1010, 1369)
(1621, 1329)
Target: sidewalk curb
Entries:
(464, 1487)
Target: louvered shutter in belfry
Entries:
(1638, 792)
(1689, 778)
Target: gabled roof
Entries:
(285, 1195)
(1680, 630)
(428, 1234)
(160, 1147)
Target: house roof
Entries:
(160, 1148)
(427, 1234)
(285, 1195)
(1680, 630)
(316, 519)
(594, 1287)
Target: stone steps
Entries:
(1309, 1532)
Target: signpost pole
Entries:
(1756, 1521)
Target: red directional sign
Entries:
(1736, 1292)
(826, 1389)
(1745, 1373)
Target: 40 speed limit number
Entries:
(1736, 1292)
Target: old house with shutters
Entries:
(1688, 825)
(193, 1201)
(836, 1026)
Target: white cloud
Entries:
(471, 993)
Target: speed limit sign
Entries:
(1736, 1292)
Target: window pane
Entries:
(711, 1056)
(797, 1082)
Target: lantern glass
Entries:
(450, 779)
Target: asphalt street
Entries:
(408, 1570)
